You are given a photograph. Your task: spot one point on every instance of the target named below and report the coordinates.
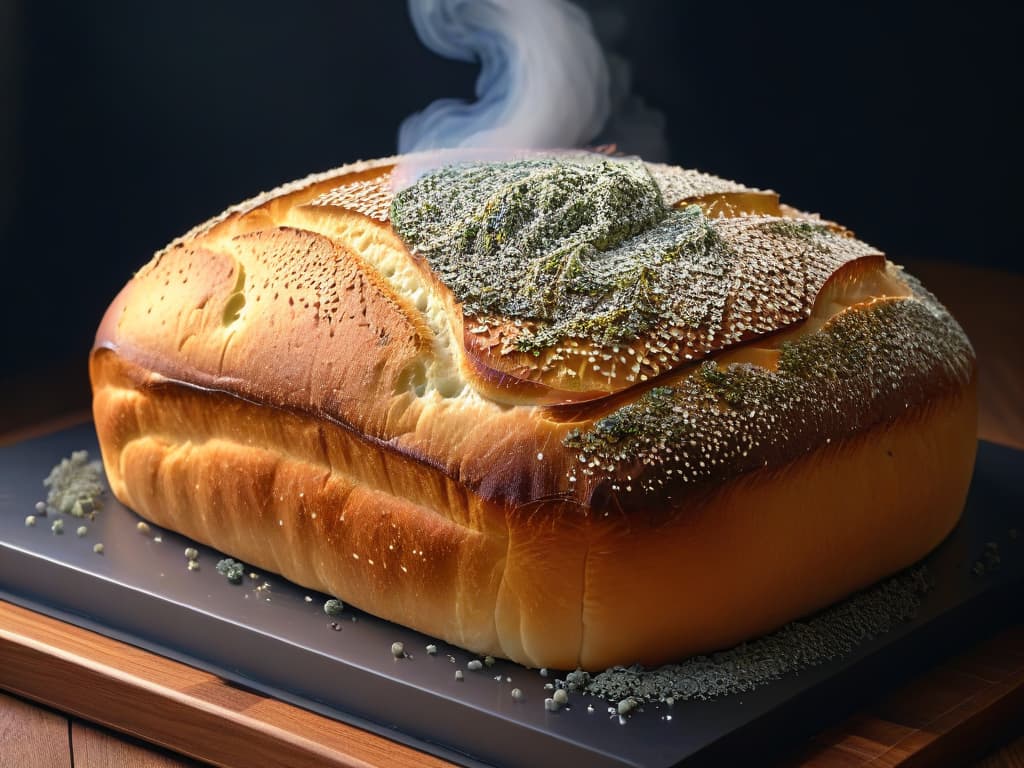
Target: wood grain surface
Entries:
(943, 717)
(174, 705)
(955, 710)
(94, 747)
(32, 736)
(1010, 756)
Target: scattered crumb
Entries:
(231, 569)
(333, 607)
(75, 485)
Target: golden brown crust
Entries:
(290, 385)
(549, 583)
(772, 283)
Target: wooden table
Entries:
(968, 708)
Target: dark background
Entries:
(122, 124)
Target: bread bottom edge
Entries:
(556, 586)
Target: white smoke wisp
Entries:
(544, 81)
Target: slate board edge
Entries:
(525, 754)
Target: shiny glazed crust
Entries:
(290, 385)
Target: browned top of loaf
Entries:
(305, 299)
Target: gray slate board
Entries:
(140, 591)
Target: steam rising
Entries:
(544, 82)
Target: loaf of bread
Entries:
(570, 410)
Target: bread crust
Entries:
(290, 385)
(547, 583)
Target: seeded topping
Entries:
(231, 569)
(802, 644)
(519, 239)
(75, 485)
(333, 607)
(679, 184)
(370, 197)
(373, 197)
(580, 258)
(721, 421)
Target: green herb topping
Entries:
(723, 420)
(799, 645)
(583, 247)
(231, 569)
(75, 485)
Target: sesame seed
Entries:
(98, 548)
(398, 650)
(30, 520)
(474, 665)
